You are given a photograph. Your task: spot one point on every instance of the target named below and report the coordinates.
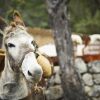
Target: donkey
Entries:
(21, 69)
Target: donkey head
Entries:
(20, 50)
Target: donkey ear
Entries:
(17, 18)
(3, 23)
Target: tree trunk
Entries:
(71, 82)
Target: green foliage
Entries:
(84, 14)
(33, 11)
(89, 25)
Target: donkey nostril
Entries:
(29, 73)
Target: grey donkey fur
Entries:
(13, 84)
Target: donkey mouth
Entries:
(30, 68)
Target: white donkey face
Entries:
(20, 48)
(18, 42)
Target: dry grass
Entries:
(42, 36)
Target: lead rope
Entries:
(36, 50)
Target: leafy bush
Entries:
(90, 25)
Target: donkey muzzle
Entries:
(31, 69)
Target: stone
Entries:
(87, 89)
(95, 67)
(98, 98)
(89, 65)
(57, 79)
(95, 99)
(54, 93)
(95, 91)
(96, 78)
(89, 73)
(80, 65)
(87, 79)
(51, 81)
(57, 70)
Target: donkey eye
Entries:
(11, 45)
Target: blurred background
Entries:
(84, 15)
